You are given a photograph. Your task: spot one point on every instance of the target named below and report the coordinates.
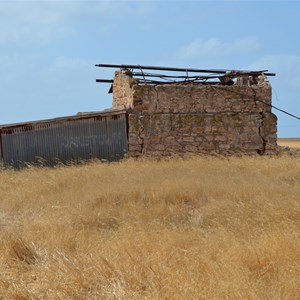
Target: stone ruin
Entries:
(227, 118)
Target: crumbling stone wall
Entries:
(179, 118)
(122, 90)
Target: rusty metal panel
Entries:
(83, 137)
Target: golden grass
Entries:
(194, 228)
(289, 142)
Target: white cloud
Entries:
(286, 67)
(28, 22)
(285, 63)
(215, 47)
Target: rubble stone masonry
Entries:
(169, 119)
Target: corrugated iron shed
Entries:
(100, 135)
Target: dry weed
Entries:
(194, 228)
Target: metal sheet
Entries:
(83, 137)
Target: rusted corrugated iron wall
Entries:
(75, 138)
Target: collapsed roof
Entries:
(171, 75)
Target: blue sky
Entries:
(48, 49)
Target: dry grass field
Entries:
(290, 142)
(193, 228)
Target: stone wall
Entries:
(122, 90)
(180, 118)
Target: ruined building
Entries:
(187, 111)
(228, 116)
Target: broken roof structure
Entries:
(184, 110)
(187, 76)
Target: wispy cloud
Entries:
(29, 22)
(286, 66)
(215, 47)
(32, 22)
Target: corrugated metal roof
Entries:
(84, 136)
